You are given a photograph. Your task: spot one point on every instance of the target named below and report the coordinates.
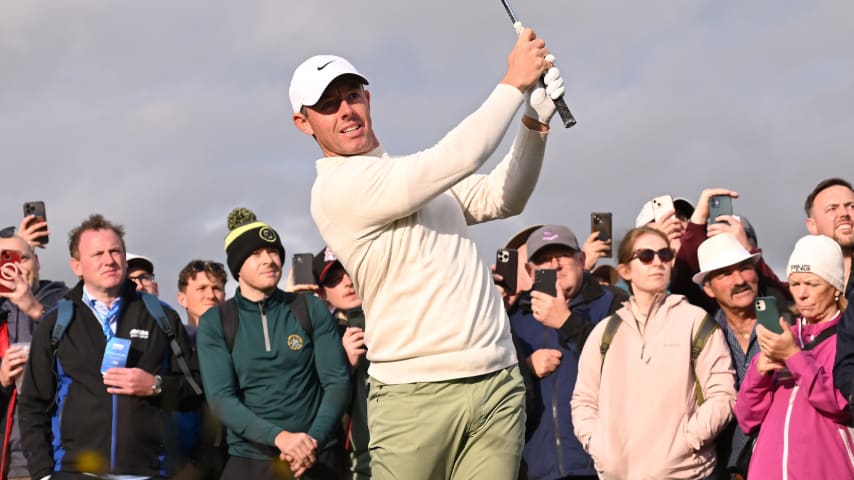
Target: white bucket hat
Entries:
(719, 252)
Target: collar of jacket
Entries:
(272, 300)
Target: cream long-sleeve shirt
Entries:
(399, 227)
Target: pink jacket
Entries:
(802, 416)
(639, 418)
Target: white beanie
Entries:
(820, 255)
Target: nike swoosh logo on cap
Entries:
(324, 65)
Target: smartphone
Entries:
(661, 205)
(719, 205)
(601, 222)
(37, 209)
(356, 318)
(544, 281)
(9, 261)
(767, 314)
(507, 265)
(303, 273)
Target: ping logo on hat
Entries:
(799, 268)
(267, 233)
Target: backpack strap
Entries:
(707, 327)
(299, 307)
(611, 327)
(154, 307)
(824, 335)
(229, 318)
(65, 312)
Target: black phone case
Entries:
(303, 274)
(601, 222)
(507, 265)
(37, 209)
(544, 281)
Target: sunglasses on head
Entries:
(203, 265)
(7, 232)
(647, 255)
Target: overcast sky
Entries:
(164, 116)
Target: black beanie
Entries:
(246, 235)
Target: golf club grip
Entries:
(563, 111)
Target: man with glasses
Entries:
(551, 333)
(336, 287)
(23, 300)
(141, 272)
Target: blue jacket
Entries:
(551, 449)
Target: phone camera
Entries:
(597, 219)
(760, 305)
(504, 256)
(9, 271)
(716, 202)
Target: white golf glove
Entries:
(538, 100)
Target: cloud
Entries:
(164, 116)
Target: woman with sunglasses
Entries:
(788, 392)
(634, 407)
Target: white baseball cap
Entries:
(718, 252)
(315, 74)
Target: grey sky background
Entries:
(165, 115)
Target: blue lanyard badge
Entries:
(116, 354)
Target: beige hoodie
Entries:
(399, 227)
(639, 420)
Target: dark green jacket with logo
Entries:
(277, 377)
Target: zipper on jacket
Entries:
(786, 432)
(844, 432)
(264, 326)
(555, 420)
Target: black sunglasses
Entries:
(202, 265)
(7, 232)
(647, 255)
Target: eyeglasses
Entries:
(647, 255)
(203, 265)
(7, 232)
(561, 258)
(142, 279)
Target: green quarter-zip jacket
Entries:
(277, 377)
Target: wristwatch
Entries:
(158, 386)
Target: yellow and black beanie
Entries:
(246, 235)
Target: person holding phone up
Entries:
(550, 333)
(800, 415)
(23, 299)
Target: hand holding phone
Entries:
(719, 205)
(507, 265)
(661, 205)
(545, 280)
(601, 222)
(302, 265)
(38, 210)
(767, 314)
(9, 267)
